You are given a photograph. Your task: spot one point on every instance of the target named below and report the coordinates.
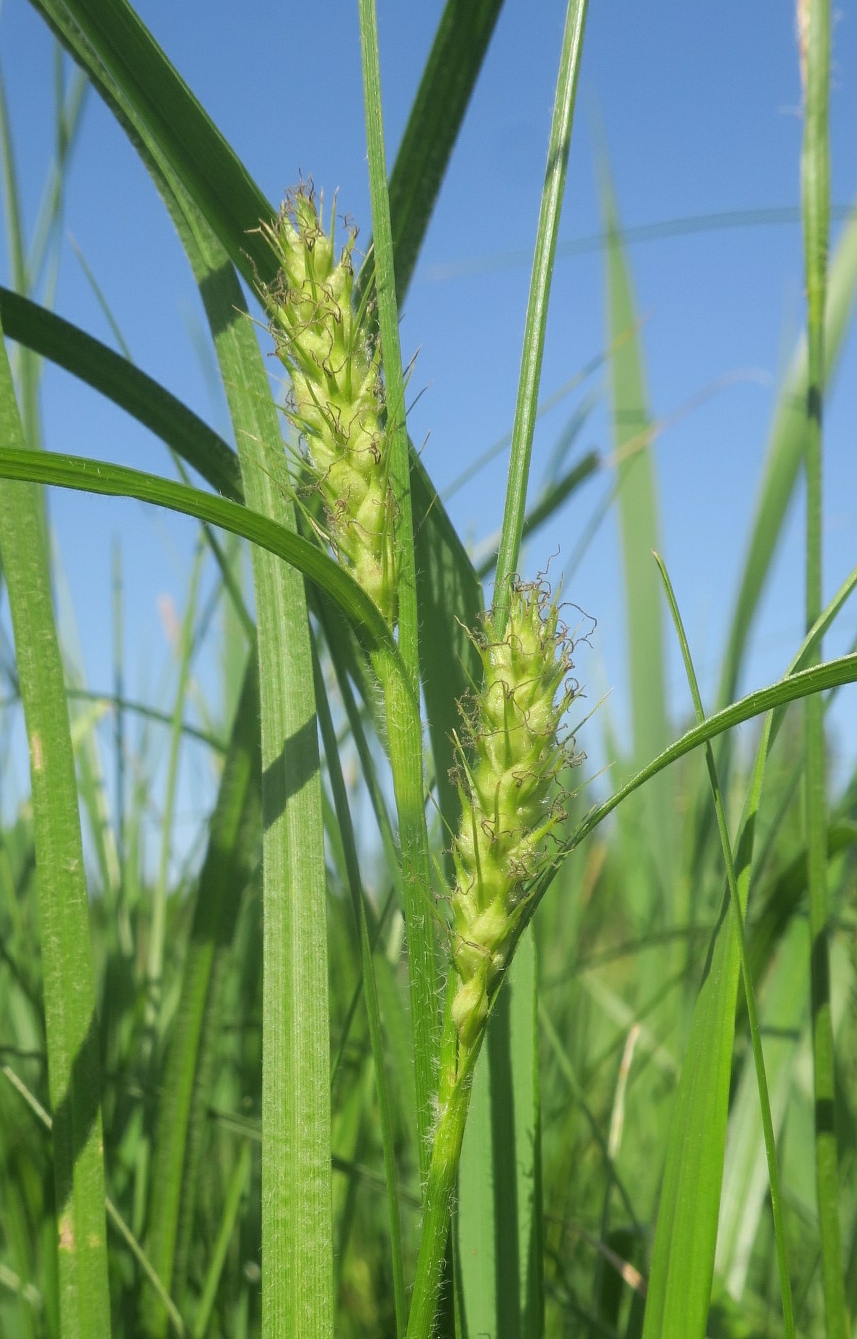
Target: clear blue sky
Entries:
(699, 110)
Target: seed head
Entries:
(508, 761)
(337, 393)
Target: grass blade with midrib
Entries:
(69, 986)
(108, 372)
(370, 993)
(118, 481)
(297, 1242)
(232, 854)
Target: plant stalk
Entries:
(814, 33)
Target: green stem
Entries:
(158, 924)
(443, 1170)
(404, 730)
(402, 706)
(815, 174)
(388, 323)
(526, 408)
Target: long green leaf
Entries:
(370, 992)
(796, 685)
(745, 1177)
(736, 909)
(297, 1228)
(108, 372)
(653, 815)
(69, 985)
(637, 500)
(785, 455)
(192, 145)
(233, 852)
(814, 36)
(118, 481)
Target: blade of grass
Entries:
(745, 1178)
(637, 499)
(795, 686)
(193, 147)
(549, 503)
(158, 923)
(112, 1212)
(370, 993)
(814, 31)
(652, 866)
(119, 481)
(549, 402)
(69, 121)
(69, 985)
(785, 455)
(232, 855)
(750, 995)
(236, 1190)
(111, 374)
(297, 1228)
(28, 369)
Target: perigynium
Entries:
(508, 761)
(336, 401)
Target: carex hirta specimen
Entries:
(509, 756)
(336, 401)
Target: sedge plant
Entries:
(506, 1078)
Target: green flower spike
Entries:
(507, 767)
(337, 394)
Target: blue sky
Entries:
(698, 107)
